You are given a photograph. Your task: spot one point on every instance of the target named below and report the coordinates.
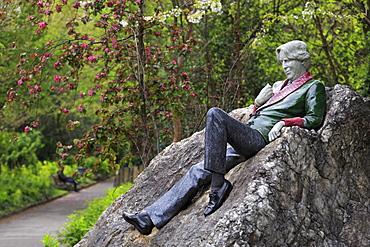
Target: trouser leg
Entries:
(221, 129)
(179, 196)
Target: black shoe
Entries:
(141, 222)
(218, 197)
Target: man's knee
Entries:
(214, 111)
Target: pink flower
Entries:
(192, 95)
(83, 45)
(138, 1)
(80, 108)
(65, 110)
(173, 62)
(37, 87)
(35, 124)
(57, 78)
(27, 129)
(58, 8)
(47, 12)
(42, 25)
(40, 4)
(157, 33)
(186, 88)
(20, 82)
(92, 59)
(91, 93)
(64, 155)
(56, 65)
(30, 18)
(48, 43)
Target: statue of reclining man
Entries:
(297, 101)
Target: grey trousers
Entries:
(179, 196)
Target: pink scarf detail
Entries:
(285, 91)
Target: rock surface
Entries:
(307, 188)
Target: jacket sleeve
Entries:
(315, 104)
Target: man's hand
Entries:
(275, 131)
(265, 94)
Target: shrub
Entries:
(82, 221)
(20, 150)
(24, 185)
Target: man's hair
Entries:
(297, 50)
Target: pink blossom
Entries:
(40, 4)
(37, 87)
(57, 78)
(35, 124)
(64, 1)
(52, 87)
(173, 62)
(91, 93)
(64, 155)
(42, 25)
(80, 108)
(83, 45)
(171, 47)
(82, 95)
(138, 1)
(61, 90)
(20, 82)
(92, 59)
(48, 43)
(30, 18)
(186, 88)
(58, 8)
(157, 33)
(47, 12)
(27, 129)
(65, 110)
(56, 65)
(192, 95)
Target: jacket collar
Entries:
(285, 91)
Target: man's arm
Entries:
(314, 108)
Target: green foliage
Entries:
(21, 150)
(24, 185)
(131, 73)
(82, 221)
(49, 241)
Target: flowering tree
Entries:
(134, 49)
(144, 67)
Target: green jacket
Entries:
(302, 103)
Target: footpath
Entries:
(27, 228)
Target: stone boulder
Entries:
(307, 188)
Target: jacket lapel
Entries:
(285, 91)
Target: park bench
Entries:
(59, 184)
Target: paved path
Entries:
(29, 227)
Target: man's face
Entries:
(292, 68)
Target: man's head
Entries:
(294, 58)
